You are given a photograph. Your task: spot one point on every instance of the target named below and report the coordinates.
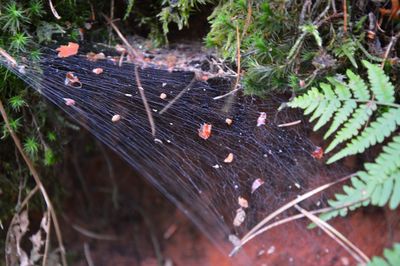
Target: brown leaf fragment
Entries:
(94, 57)
(97, 71)
(115, 118)
(243, 202)
(256, 184)
(68, 50)
(72, 80)
(229, 158)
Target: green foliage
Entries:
(12, 17)
(36, 9)
(391, 257)
(350, 106)
(177, 12)
(129, 8)
(17, 102)
(31, 146)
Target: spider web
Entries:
(189, 170)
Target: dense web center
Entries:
(223, 168)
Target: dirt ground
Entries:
(122, 220)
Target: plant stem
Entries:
(38, 181)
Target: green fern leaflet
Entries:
(361, 115)
(391, 257)
(351, 106)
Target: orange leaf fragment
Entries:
(205, 131)
(68, 50)
(318, 153)
(97, 71)
(229, 158)
(243, 202)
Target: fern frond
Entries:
(391, 257)
(353, 125)
(380, 129)
(378, 184)
(380, 84)
(350, 106)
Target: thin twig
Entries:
(53, 10)
(111, 175)
(136, 55)
(392, 44)
(145, 103)
(344, 16)
(47, 243)
(39, 183)
(187, 88)
(228, 103)
(8, 57)
(253, 231)
(337, 236)
(88, 257)
(111, 18)
(93, 235)
(248, 17)
(290, 124)
(129, 47)
(300, 216)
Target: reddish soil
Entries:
(143, 217)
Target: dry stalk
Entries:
(38, 182)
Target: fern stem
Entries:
(378, 103)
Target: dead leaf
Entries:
(37, 244)
(243, 202)
(68, 50)
(261, 119)
(240, 217)
(256, 184)
(228, 121)
(72, 80)
(69, 102)
(45, 224)
(318, 153)
(229, 158)
(94, 57)
(23, 222)
(205, 131)
(116, 118)
(97, 71)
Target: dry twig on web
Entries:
(253, 232)
(337, 236)
(136, 55)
